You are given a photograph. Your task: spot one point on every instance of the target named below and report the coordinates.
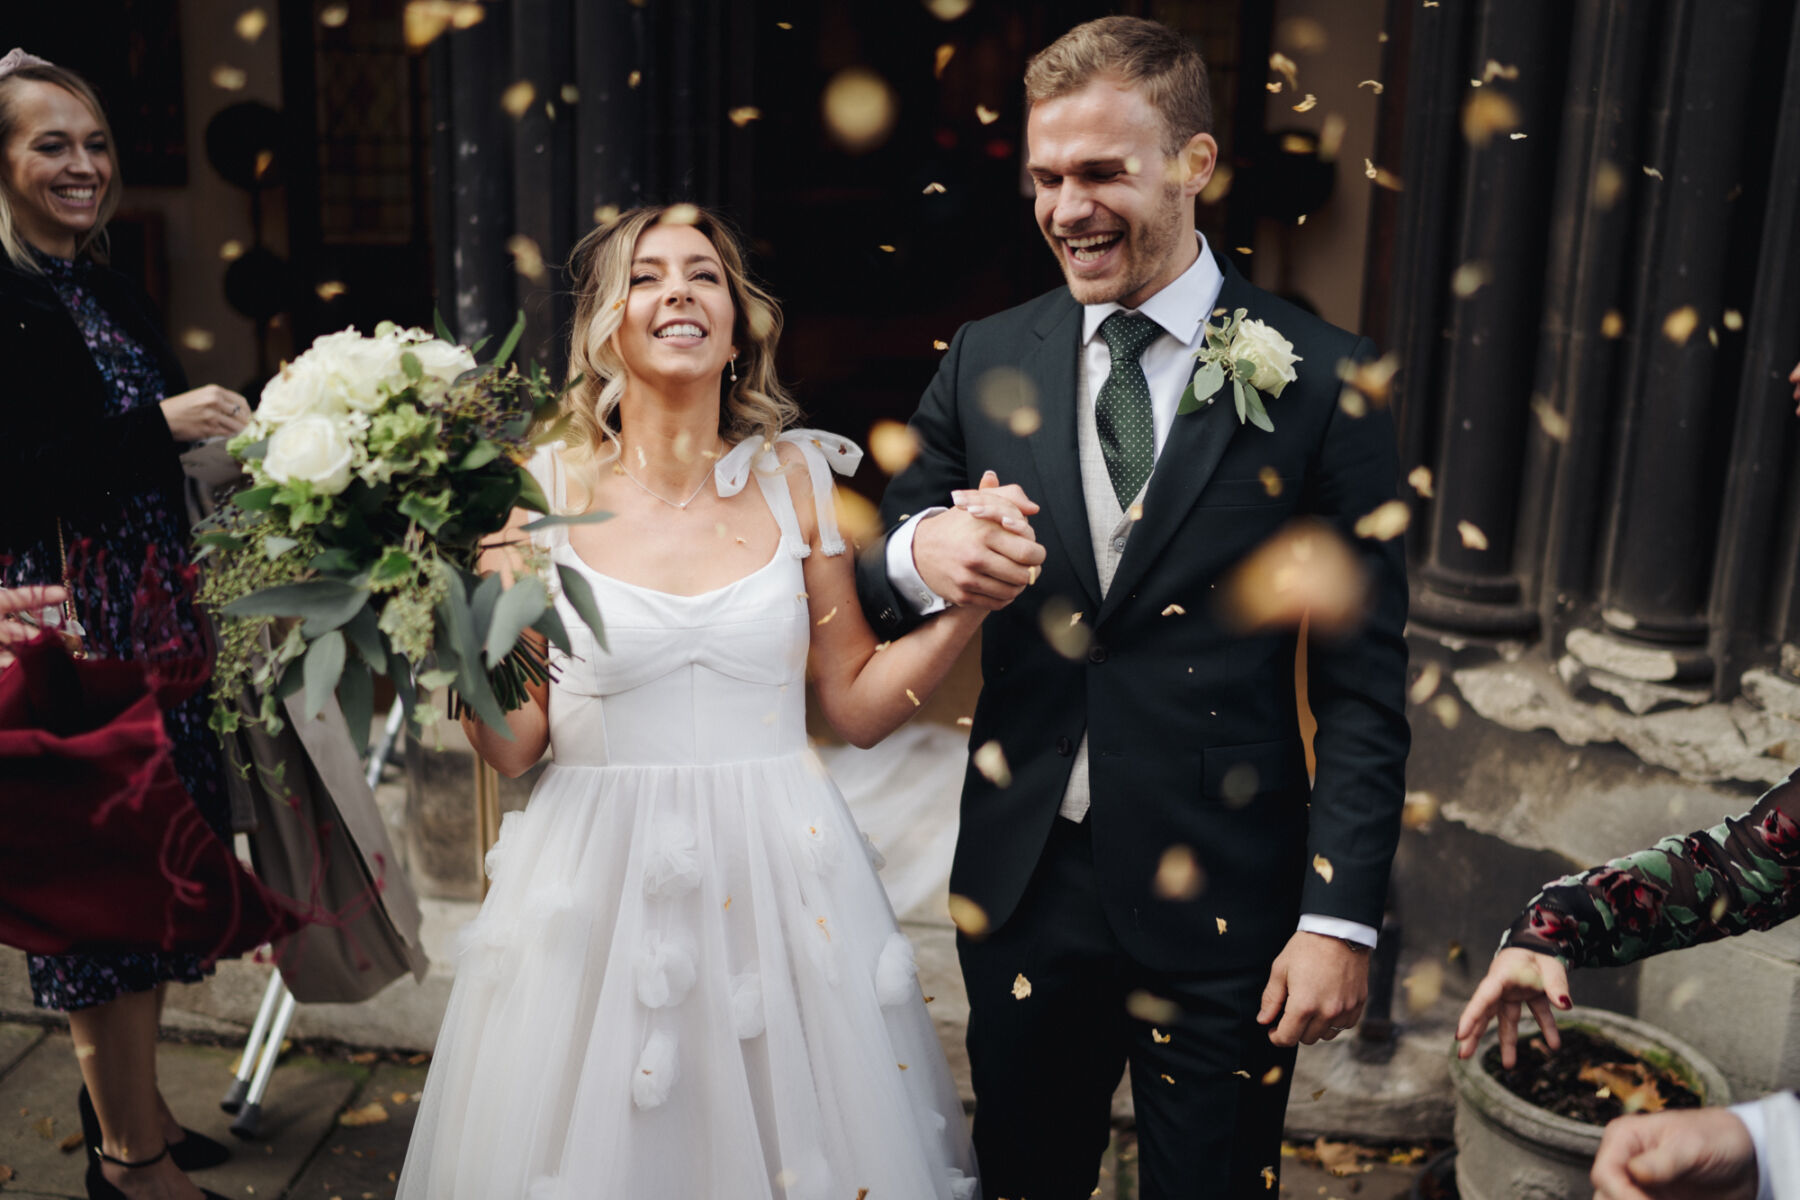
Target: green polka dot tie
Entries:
(1122, 410)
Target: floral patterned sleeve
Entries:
(1741, 874)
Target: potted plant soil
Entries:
(1531, 1133)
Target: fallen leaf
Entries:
(373, 1113)
(72, 1143)
(45, 1128)
(1319, 1093)
(6, 1174)
(1021, 988)
(1342, 1158)
(1630, 1083)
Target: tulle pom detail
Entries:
(509, 833)
(665, 971)
(877, 859)
(962, 1187)
(895, 971)
(672, 864)
(656, 1071)
(747, 1005)
(817, 849)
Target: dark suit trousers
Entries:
(1208, 1095)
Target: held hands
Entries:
(1516, 976)
(206, 412)
(1690, 1154)
(982, 553)
(1317, 986)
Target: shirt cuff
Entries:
(903, 573)
(1337, 927)
(1751, 1114)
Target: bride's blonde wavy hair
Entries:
(754, 406)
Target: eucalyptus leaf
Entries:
(1237, 387)
(1208, 379)
(480, 455)
(436, 678)
(471, 680)
(256, 499)
(587, 518)
(289, 682)
(1245, 369)
(1187, 403)
(550, 624)
(520, 605)
(481, 604)
(365, 634)
(324, 604)
(323, 664)
(443, 330)
(512, 340)
(1259, 416)
(356, 696)
(581, 598)
(400, 674)
(531, 495)
(274, 546)
(221, 539)
(409, 363)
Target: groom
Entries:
(1144, 737)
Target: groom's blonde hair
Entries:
(1137, 53)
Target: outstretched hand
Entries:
(983, 552)
(18, 615)
(1683, 1154)
(1317, 986)
(1516, 977)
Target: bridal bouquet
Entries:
(378, 465)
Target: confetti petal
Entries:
(990, 760)
(330, 289)
(1419, 810)
(1272, 1076)
(1487, 113)
(986, 115)
(1426, 685)
(933, 189)
(1679, 325)
(251, 23)
(229, 78)
(1159, 1037)
(1178, 874)
(1612, 325)
(947, 10)
(1221, 923)
(1419, 479)
(198, 340)
(1308, 104)
(968, 917)
(528, 260)
(1156, 1010)
(1470, 278)
(1174, 610)
(1323, 866)
(517, 98)
(1553, 423)
(1021, 988)
(942, 59)
(893, 446)
(744, 114)
(859, 109)
(1471, 535)
(333, 16)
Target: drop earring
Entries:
(733, 367)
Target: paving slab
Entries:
(362, 1162)
(15, 1042)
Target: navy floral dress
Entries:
(105, 599)
(1739, 875)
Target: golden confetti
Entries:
(229, 78)
(1152, 1009)
(88, 1050)
(1304, 570)
(1160, 1038)
(947, 10)
(939, 344)
(1274, 87)
(1307, 105)
(633, 79)
(1221, 921)
(1470, 278)
(570, 93)
(1062, 628)
(1472, 537)
(1423, 986)
(828, 617)
(909, 691)
(986, 115)
(1135, 512)
(1382, 176)
(1612, 325)
(1426, 685)
(857, 516)
(1331, 136)
(1419, 478)
(1174, 610)
(1447, 711)
(966, 722)
(1178, 874)
(373, 1113)
(1609, 181)
(1268, 1178)
(990, 760)
(1518, 137)
(333, 16)
(681, 214)
(427, 20)
(1024, 421)
(198, 340)
(893, 446)
(727, 907)
(885, 248)
(232, 250)
(1553, 423)
(251, 23)
(1272, 1076)
(1284, 65)
(1021, 988)
(859, 109)
(1374, 84)
(1653, 173)
(1303, 35)
(1168, 1079)
(1679, 325)
(606, 214)
(528, 260)
(330, 290)
(784, 24)
(1454, 952)
(1494, 70)
(1733, 319)
(1133, 165)
(1323, 866)
(264, 160)
(1031, 575)
(968, 917)
(744, 114)
(1386, 522)
(1419, 810)
(942, 59)
(1219, 186)
(933, 189)
(1487, 113)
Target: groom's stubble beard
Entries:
(1145, 252)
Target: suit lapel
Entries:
(1050, 366)
(1196, 443)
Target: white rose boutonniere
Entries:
(1253, 356)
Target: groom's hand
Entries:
(1317, 987)
(983, 552)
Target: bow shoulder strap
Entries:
(823, 453)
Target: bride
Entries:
(686, 980)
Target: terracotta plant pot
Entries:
(1509, 1149)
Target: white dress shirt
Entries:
(1774, 1126)
(1181, 309)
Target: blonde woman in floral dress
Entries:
(686, 980)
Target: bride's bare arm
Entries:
(868, 689)
(530, 725)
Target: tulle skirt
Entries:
(687, 981)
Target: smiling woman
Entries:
(90, 497)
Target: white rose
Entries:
(440, 360)
(1271, 354)
(316, 449)
(300, 390)
(362, 372)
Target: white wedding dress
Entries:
(686, 980)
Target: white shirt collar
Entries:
(1179, 308)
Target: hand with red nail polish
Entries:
(1516, 978)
